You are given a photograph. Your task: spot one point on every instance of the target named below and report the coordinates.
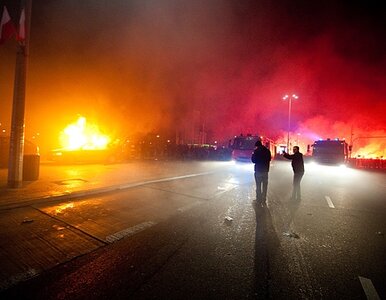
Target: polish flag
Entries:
(7, 29)
(21, 33)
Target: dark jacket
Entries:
(297, 161)
(261, 158)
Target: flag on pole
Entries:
(21, 33)
(7, 29)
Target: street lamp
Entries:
(290, 98)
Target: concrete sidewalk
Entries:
(37, 233)
(59, 182)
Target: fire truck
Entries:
(242, 146)
(333, 152)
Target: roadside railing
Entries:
(368, 163)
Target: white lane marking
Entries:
(219, 193)
(368, 287)
(329, 202)
(188, 206)
(224, 189)
(131, 185)
(129, 231)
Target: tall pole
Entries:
(16, 148)
(351, 136)
(289, 116)
(289, 122)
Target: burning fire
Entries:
(370, 151)
(83, 136)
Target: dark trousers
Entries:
(261, 179)
(296, 186)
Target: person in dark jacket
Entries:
(298, 168)
(261, 157)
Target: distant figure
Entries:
(298, 167)
(261, 157)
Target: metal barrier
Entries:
(368, 163)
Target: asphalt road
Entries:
(203, 237)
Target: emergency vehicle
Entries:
(334, 152)
(242, 146)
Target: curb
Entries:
(91, 192)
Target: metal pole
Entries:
(289, 122)
(352, 134)
(16, 148)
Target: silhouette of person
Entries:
(261, 157)
(298, 168)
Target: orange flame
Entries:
(373, 150)
(83, 136)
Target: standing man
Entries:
(298, 167)
(261, 157)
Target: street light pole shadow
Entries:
(267, 245)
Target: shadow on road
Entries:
(291, 207)
(266, 246)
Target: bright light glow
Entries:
(319, 170)
(61, 208)
(312, 166)
(247, 167)
(371, 150)
(83, 136)
(243, 166)
(343, 170)
(293, 97)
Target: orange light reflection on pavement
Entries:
(61, 208)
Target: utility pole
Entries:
(351, 141)
(290, 98)
(16, 148)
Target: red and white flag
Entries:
(7, 29)
(21, 33)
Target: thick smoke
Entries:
(140, 66)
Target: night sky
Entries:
(136, 66)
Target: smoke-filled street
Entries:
(201, 236)
(127, 132)
(201, 71)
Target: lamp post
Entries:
(289, 98)
(16, 147)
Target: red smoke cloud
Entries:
(367, 142)
(134, 67)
